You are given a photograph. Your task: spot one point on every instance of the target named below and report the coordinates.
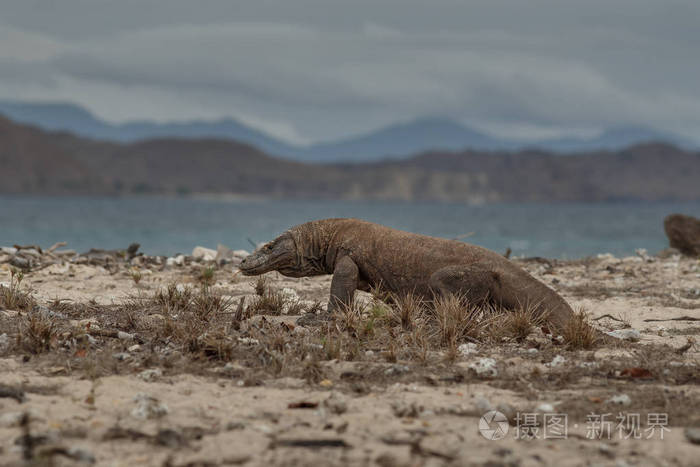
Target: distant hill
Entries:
(35, 161)
(77, 120)
(404, 140)
(399, 141)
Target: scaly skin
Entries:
(361, 255)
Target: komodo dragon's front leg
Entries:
(344, 283)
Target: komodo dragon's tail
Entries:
(552, 307)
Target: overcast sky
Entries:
(319, 69)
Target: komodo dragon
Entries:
(361, 255)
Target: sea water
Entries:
(175, 225)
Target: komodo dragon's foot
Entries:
(314, 320)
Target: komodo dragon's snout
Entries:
(276, 255)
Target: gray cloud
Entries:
(309, 70)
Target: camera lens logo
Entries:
(493, 425)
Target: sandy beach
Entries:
(108, 360)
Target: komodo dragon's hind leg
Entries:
(511, 291)
(475, 283)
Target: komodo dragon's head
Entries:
(299, 252)
(277, 255)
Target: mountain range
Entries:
(36, 161)
(399, 141)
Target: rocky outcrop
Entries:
(683, 233)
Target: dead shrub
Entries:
(271, 302)
(349, 317)
(204, 305)
(206, 277)
(174, 298)
(38, 333)
(455, 319)
(260, 285)
(407, 310)
(578, 333)
(213, 345)
(512, 324)
(13, 297)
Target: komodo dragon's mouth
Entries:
(277, 254)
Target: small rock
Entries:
(683, 233)
(248, 341)
(10, 419)
(178, 260)
(125, 336)
(235, 425)
(628, 334)
(509, 411)
(545, 407)
(336, 403)
(148, 407)
(606, 450)
(642, 253)
(151, 374)
(622, 399)
(532, 350)
(482, 404)
(19, 262)
(81, 455)
(396, 369)
(558, 360)
(223, 254)
(326, 383)
(121, 356)
(4, 342)
(14, 419)
(9, 250)
(240, 254)
(485, 367)
(233, 369)
(405, 409)
(467, 349)
(134, 348)
(692, 434)
(605, 256)
(203, 254)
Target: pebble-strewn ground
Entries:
(110, 386)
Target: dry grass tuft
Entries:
(408, 310)
(135, 275)
(350, 318)
(205, 305)
(13, 297)
(206, 277)
(38, 334)
(271, 302)
(578, 333)
(455, 320)
(174, 298)
(513, 324)
(260, 285)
